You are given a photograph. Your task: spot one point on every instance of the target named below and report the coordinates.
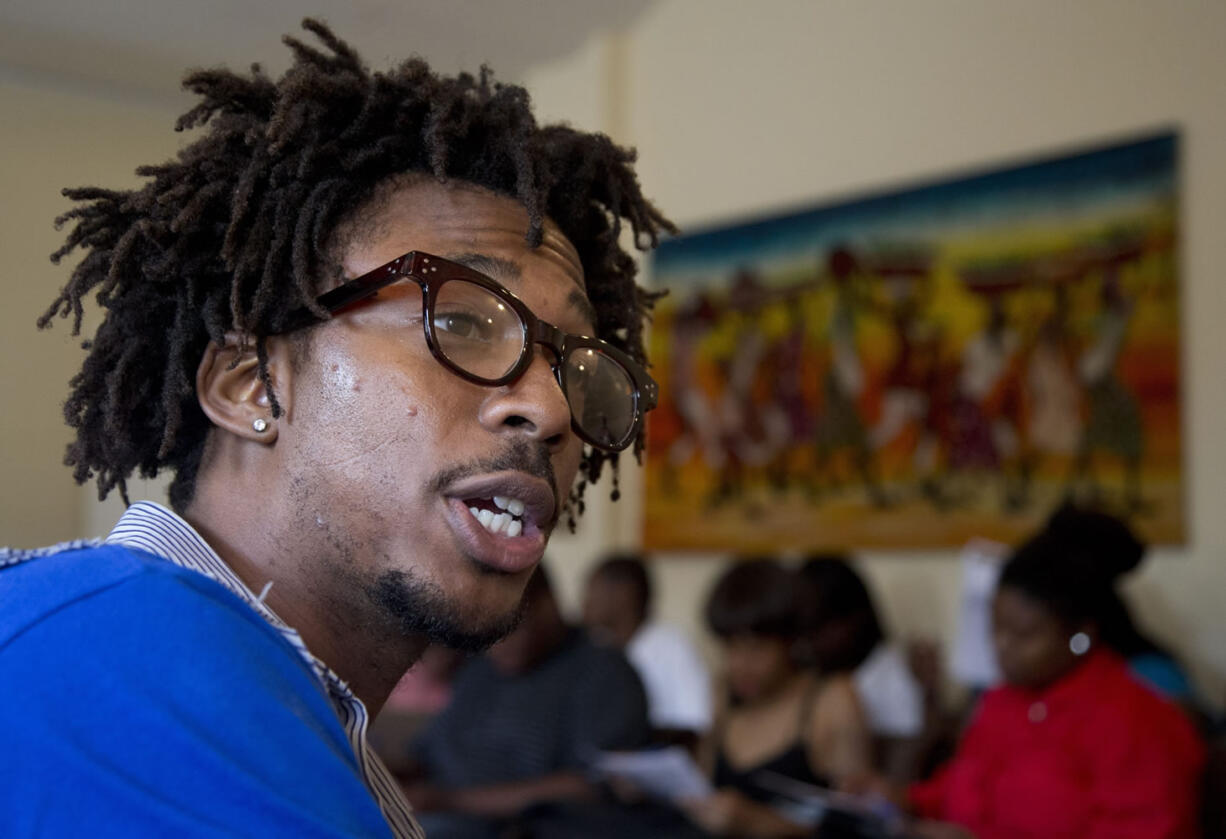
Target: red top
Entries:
(1095, 756)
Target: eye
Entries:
(464, 324)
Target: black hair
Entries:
(239, 231)
(754, 597)
(628, 569)
(1071, 567)
(831, 591)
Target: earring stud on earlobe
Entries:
(1079, 644)
(260, 425)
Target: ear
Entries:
(234, 396)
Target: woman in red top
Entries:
(1072, 746)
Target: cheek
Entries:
(751, 666)
(368, 402)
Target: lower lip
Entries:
(509, 554)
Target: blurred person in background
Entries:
(617, 610)
(1074, 745)
(324, 316)
(420, 694)
(842, 634)
(1080, 530)
(776, 721)
(511, 751)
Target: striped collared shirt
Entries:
(152, 528)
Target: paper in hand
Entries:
(973, 662)
(668, 773)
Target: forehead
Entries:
(471, 225)
(1017, 608)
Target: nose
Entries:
(533, 405)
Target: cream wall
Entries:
(52, 136)
(737, 107)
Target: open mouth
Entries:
(501, 515)
(503, 518)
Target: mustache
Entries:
(520, 456)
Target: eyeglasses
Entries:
(485, 334)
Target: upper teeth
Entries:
(507, 522)
(512, 505)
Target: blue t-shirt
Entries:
(138, 698)
(1163, 674)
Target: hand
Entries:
(625, 790)
(875, 786)
(426, 796)
(719, 813)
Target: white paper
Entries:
(973, 661)
(664, 773)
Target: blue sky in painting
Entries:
(1066, 187)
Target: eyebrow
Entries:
(495, 266)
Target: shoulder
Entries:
(590, 671)
(132, 611)
(835, 701)
(1138, 727)
(661, 642)
(53, 584)
(886, 670)
(656, 633)
(155, 693)
(837, 687)
(584, 654)
(1163, 674)
(1141, 705)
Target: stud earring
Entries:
(1079, 644)
(260, 425)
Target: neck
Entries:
(779, 692)
(627, 633)
(369, 656)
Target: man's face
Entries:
(610, 611)
(386, 450)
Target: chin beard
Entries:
(417, 607)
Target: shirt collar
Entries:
(154, 529)
(1084, 680)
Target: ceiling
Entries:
(141, 47)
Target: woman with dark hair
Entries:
(777, 722)
(1077, 534)
(1073, 745)
(842, 634)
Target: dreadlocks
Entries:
(235, 234)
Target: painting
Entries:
(920, 367)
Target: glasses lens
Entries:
(477, 330)
(601, 395)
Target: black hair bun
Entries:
(1098, 536)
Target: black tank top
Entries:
(793, 763)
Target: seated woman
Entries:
(1073, 745)
(842, 634)
(1120, 551)
(777, 724)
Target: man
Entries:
(617, 610)
(525, 721)
(322, 317)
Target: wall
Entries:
(736, 108)
(52, 136)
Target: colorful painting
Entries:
(918, 368)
